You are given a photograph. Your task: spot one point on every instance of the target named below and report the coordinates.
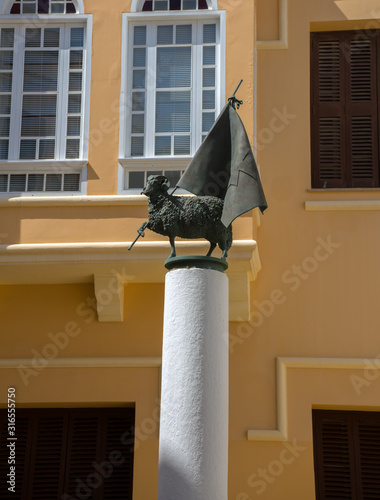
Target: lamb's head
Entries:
(156, 184)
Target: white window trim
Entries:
(64, 166)
(5, 9)
(161, 163)
(47, 167)
(172, 162)
(137, 5)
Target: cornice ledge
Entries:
(73, 201)
(99, 362)
(48, 263)
(108, 264)
(346, 205)
(241, 249)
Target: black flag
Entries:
(224, 166)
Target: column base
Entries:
(196, 261)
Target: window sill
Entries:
(162, 163)
(42, 165)
(343, 199)
(70, 200)
(45, 18)
(170, 14)
(343, 190)
(346, 205)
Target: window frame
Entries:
(318, 110)
(137, 5)
(63, 426)
(350, 449)
(59, 165)
(127, 163)
(6, 8)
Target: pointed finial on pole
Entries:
(233, 100)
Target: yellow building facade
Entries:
(82, 318)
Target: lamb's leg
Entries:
(173, 252)
(212, 248)
(223, 246)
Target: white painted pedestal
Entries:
(193, 454)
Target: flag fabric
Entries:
(224, 166)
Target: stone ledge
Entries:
(107, 264)
(331, 206)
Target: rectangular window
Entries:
(173, 87)
(39, 182)
(138, 179)
(41, 92)
(70, 453)
(345, 85)
(346, 454)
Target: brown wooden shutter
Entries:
(95, 437)
(328, 96)
(334, 456)
(344, 129)
(70, 453)
(46, 471)
(367, 439)
(84, 448)
(346, 455)
(119, 485)
(362, 143)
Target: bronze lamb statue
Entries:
(187, 217)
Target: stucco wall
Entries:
(315, 297)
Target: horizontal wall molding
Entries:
(79, 262)
(73, 201)
(155, 163)
(282, 42)
(336, 206)
(285, 364)
(108, 264)
(45, 166)
(64, 251)
(138, 362)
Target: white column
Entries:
(193, 455)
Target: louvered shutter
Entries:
(334, 456)
(328, 111)
(84, 448)
(119, 485)
(344, 130)
(99, 465)
(70, 453)
(362, 143)
(367, 440)
(346, 455)
(48, 454)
